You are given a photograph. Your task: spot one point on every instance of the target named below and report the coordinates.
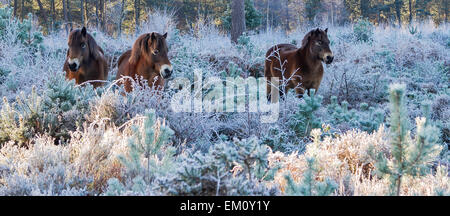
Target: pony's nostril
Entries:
(73, 67)
(167, 72)
(330, 59)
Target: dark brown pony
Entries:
(85, 59)
(302, 67)
(147, 59)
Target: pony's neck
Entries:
(307, 59)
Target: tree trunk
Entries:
(332, 14)
(96, 15)
(137, 12)
(86, 12)
(65, 16)
(15, 7)
(42, 13)
(82, 13)
(122, 15)
(238, 19)
(22, 10)
(52, 8)
(288, 27)
(69, 16)
(446, 10)
(398, 10)
(103, 15)
(267, 16)
(410, 12)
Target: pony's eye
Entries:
(155, 52)
(319, 43)
(83, 45)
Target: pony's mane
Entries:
(139, 47)
(305, 40)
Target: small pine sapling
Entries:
(309, 185)
(148, 158)
(305, 120)
(408, 156)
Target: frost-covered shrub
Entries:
(24, 30)
(363, 31)
(78, 168)
(229, 168)
(441, 114)
(282, 139)
(367, 118)
(57, 110)
(20, 120)
(254, 57)
(335, 158)
(160, 21)
(65, 105)
(346, 161)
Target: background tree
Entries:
(105, 15)
(253, 18)
(237, 19)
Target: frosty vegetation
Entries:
(361, 134)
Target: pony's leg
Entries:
(300, 91)
(127, 85)
(268, 75)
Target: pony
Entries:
(299, 68)
(147, 59)
(85, 60)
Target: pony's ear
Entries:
(83, 31)
(326, 30)
(165, 36)
(153, 36)
(317, 31)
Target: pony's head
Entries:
(82, 47)
(152, 47)
(319, 45)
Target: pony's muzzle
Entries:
(166, 71)
(329, 59)
(74, 64)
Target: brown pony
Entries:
(85, 59)
(147, 59)
(302, 67)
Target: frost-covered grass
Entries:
(57, 138)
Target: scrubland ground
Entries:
(57, 138)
